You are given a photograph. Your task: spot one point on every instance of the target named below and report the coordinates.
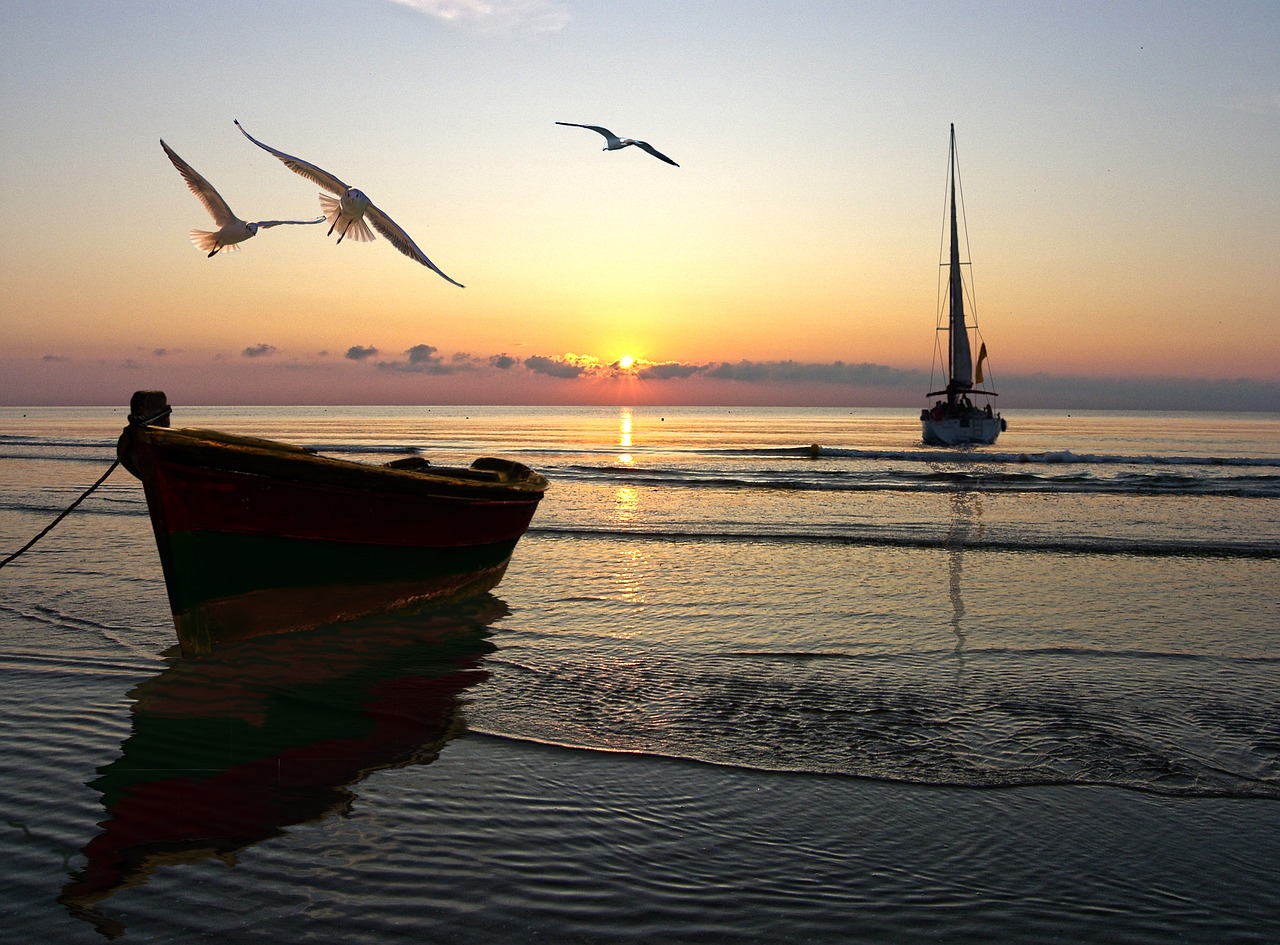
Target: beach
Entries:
(732, 689)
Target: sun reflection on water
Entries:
(624, 436)
(626, 505)
(630, 577)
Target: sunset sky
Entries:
(1120, 167)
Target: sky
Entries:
(1119, 164)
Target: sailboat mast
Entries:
(960, 368)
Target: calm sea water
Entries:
(733, 689)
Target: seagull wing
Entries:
(610, 137)
(211, 199)
(266, 224)
(401, 241)
(312, 173)
(655, 152)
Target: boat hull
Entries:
(975, 429)
(258, 537)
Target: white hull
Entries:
(977, 428)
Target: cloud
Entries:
(423, 354)
(1137, 393)
(426, 359)
(836, 372)
(553, 367)
(544, 16)
(259, 351)
(55, 357)
(668, 371)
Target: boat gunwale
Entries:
(234, 453)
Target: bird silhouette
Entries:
(613, 143)
(348, 213)
(231, 229)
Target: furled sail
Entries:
(961, 354)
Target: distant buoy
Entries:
(814, 451)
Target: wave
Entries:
(1156, 719)
(876, 479)
(973, 457)
(1155, 548)
(100, 504)
(1226, 784)
(371, 449)
(1062, 457)
(96, 455)
(22, 439)
(1092, 653)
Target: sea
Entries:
(753, 676)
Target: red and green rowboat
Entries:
(257, 536)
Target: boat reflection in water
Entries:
(230, 749)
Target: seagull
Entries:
(231, 229)
(347, 214)
(614, 143)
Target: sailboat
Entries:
(954, 420)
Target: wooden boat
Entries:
(236, 747)
(955, 420)
(257, 536)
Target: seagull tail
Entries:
(346, 227)
(359, 231)
(207, 242)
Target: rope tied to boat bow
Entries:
(133, 421)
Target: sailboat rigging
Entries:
(954, 420)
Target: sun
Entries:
(626, 361)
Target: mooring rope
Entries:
(134, 421)
(48, 528)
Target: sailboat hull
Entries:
(977, 429)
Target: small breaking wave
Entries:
(1161, 548)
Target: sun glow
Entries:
(626, 362)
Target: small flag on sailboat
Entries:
(982, 356)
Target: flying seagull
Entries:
(231, 229)
(613, 143)
(347, 214)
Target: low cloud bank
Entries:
(264, 373)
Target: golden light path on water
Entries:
(624, 434)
